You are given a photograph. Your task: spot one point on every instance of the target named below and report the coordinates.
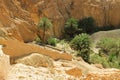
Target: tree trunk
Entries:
(44, 36)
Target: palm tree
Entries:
(45, 24)
(71, 26)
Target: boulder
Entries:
(36, 60)
(76, 72)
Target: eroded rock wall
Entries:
(20, 17)
(16, 20)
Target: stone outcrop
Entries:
(36, 60)
(17, 49)
(71, 72)
(19, 18)
(74, 72)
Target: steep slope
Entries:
(105, 12)
(16, 21)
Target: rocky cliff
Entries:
(19, 18)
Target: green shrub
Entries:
(104, 60)
(115, 62)
(109, 53)
(38, 40)
(81, 43)
(109, 46)
(52, 41)
(97, 59)
(87, 24)
(64, 45)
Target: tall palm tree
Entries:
(45, 24)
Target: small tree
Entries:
(81, 43)
(71, 26)
(45, 24)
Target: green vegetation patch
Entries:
(81, 43)
(109, 54)
(52, 41)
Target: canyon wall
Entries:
(19, 18)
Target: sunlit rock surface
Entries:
(19, 19)
(61, 70)
(4, 65)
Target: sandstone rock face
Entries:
(105, 12)
(16, 21)
(20, 17)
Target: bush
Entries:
(38, 40)
(52, 41)
(95, 58)
(104, 60)
(109, 53)
(109, 46)
(87, 24)
(64, 45)
(81, 43)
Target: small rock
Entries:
(74, 72)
